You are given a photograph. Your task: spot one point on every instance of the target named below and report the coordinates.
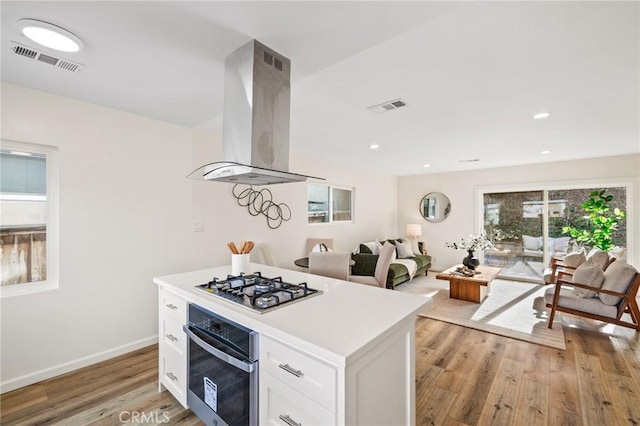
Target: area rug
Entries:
(512, 309)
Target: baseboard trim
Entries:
(47, 373)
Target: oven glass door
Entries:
(222, 378)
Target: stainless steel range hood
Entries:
(255, 128)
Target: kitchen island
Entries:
(355, 344)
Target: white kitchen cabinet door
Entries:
(281, 405)
(172, 345)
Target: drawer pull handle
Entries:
(288, 420)
(289, 369)
(172, 337)
(172, 376)
(171, 306)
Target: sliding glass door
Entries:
(526, 227)
(565, 210)
(514, 223)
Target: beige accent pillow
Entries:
(589, 274)
(561, 244)
(617, 277)
(414, 246)
(319, 248)
(530, 243)
(378, 247)
(373, 246)
(599, 257)
(404, 250)
(575, 259)
(620, 253)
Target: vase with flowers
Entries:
(471, 244)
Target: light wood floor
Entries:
(464, 377)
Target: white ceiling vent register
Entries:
(387, 106)
(31, 53)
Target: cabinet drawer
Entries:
(173, 336)
(173, 374)
(303, 373)
(173, 305)
(281, 405)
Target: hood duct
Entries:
(255, 127)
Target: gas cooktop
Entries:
(258, 293)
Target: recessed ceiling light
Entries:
(540, 115)
(546, 151)
(374, 146)
(427, 165)
(49, 35)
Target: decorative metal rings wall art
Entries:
(261, 202)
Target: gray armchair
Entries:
(616, 297)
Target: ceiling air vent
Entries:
(23, 51)
(31, 53)
(387, 106)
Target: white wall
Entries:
(125, 216)
(462, 189)
(224, 221)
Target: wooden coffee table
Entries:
(473, 289)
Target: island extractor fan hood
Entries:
(255, 126)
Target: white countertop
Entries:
(336, 325)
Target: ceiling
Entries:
(471, 73)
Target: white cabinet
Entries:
(374, 387)
(380, 384)
(345, 357)
(295, 388)
(172, 345)
(280, 404)
(304, 373)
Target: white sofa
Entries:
(532, 246)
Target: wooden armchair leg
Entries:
(552, 314)
(634, 313)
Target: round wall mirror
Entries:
(435, 207)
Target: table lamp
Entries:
(414, 230)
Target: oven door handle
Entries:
(245, 366)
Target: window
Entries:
(28, 225)
(327, 204)
(526, 226)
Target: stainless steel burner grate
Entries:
(256, 292)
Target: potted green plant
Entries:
(603, 222)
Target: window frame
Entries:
(627, 182)
(52, 188)
(330, 188)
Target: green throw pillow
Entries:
(365, 264)
(365, 249)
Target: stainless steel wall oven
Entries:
(222, 369)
